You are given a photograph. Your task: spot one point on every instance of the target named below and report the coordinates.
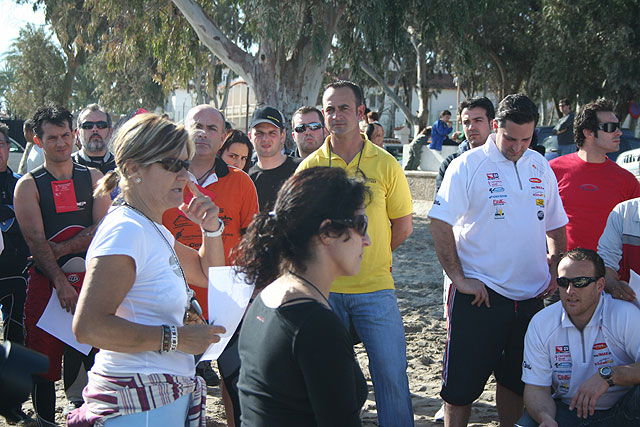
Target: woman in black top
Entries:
(297, 362)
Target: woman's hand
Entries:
(201, 210)
(195, 339)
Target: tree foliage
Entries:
(35, 71)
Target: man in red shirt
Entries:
(590, 184)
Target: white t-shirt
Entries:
(158, 295)
(500, 212)
(557, 354)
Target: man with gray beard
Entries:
(94, 130)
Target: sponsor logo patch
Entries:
(498, 196)
(589, 187)
(536, 180)
(493, 175)
(496, 190)
(599, 345)
(499, 214)
(540, 215)
(498, 202)
(540, 202)
(562, 349)
(526, 365)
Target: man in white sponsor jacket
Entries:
(582, 357)
(497, 211)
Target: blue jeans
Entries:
(625, 413)
(378, 322)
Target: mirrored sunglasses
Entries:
(303, 127)
(89, 125)
(576, 282)
(174, 165)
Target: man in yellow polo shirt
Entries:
(368, 299)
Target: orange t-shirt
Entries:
(235, 195)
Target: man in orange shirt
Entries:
(230, 188)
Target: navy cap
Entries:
(267, 115)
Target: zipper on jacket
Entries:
(517, 175)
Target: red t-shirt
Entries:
(235, 195)
(589, 192)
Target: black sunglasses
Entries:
(576, 282)
(609, 126)
(89, 125)
(174, 165)
(359, 223)
(313, 126)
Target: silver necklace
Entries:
(171, 250)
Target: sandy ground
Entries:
(418, 279)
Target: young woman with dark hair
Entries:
(297, 361)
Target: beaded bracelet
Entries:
(166, 339)
(174, 338)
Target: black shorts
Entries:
(483, 340)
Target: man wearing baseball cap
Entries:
(273, 167)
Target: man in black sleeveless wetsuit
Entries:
(57, 215)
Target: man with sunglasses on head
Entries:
(582, 357)
(368, 299)
(308, 130)
(94, 131)
(591, 184)
(494, 217)
(58, 214)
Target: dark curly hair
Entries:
(587, 118)
(51, 113)
(279, 240)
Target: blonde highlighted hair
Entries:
(144, 139)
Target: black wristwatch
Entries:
(607, 374)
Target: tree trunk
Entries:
(225, 95)
(502, 70)
(389, 92)
(73, 63)
(277, 78)
(421, 78)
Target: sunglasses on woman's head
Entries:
(576, 282)
(174, 165)
(359, 223)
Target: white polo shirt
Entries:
(557, 354)
(500, 212)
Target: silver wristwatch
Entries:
(607, 374)
(216, 233)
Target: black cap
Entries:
(267, 115)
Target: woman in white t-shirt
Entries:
(135, 294)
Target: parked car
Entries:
(630, 160)
(395, 149)
(627, 142)
(15, 154)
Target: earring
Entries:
(138, 180)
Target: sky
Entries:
(14, 16)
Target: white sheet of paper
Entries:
(634, 282)
(57, 321)
(228, 299)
